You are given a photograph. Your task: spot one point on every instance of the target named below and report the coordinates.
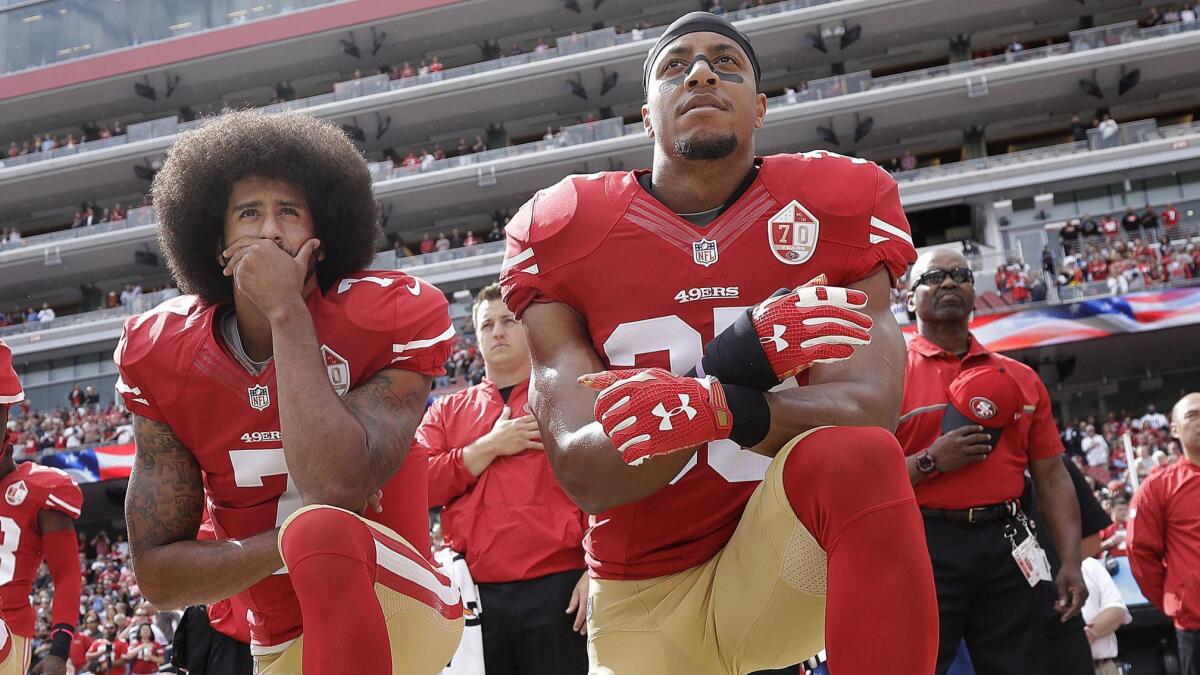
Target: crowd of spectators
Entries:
(1126, 251)
(46, 142)
(82, 422)
(1175, 13)
(464, 367)
(119, 632)
(1116, 453)
(126, 297)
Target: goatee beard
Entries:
(706, 149)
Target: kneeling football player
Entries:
(283, 391)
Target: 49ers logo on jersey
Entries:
(792, 233)
(16, 493)
(338, 370)
(260, 397)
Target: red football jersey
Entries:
(653, 289)
(174, 368)
(27, 490)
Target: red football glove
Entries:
(648, 412)
(811, 324)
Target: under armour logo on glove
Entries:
(684, 408)
(810, 325)
(776, 338)
(632, 409)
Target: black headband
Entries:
(699, 22)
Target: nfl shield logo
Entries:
(16, 493)
(260, 398)
(792, 234)
(338, 370)
(704, 252)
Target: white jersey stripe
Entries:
(517, 259)
(406, 568)
(421, 344)
(51, 499)
(15, 398)
(875, 238)
(891, 229)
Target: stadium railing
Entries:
(55, 31)
(375, 84)
(1143, 130)
(140, 304)
(431, 263)
(607, 37)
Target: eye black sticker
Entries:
(667, 85)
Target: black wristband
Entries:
(60, 640)
(751, 414)
(736, 356)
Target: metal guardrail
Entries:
(51, 32)
(1141, 131)
(389, 259)
(141, 304)
(1147, 130)
(570, 44)
(816, 90)
(138, 217)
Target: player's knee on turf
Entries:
(315, 530)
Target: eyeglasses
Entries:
(960, 275)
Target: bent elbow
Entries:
(157, 588)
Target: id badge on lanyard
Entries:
(1028, 553)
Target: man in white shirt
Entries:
(1104, 612)
(46, 315)
(1153, 419)
(1095, 451)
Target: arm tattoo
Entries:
(165, 498)
(389, 407)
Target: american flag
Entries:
(1137, 312)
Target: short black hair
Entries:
(192, 190)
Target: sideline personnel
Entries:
(1164, 534)
(521, 535)
(971, 422)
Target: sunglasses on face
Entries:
(960, 275)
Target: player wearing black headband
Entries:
(734, 527)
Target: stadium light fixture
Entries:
(608, 81)
(377, 40)
(350, 47)
(828, 135)
(573, 5)
(1128, 80)
(814, 40)
(145, 89)
(851, 35)
(1091, 88)
(576, 87)
(172, 83)
(863, 127)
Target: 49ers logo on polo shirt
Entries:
(16, 493)
(983, 408)
(792, 233)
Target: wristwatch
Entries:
(925, 463)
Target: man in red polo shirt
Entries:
(1164, 534)
(972, 421)
(521, 535)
